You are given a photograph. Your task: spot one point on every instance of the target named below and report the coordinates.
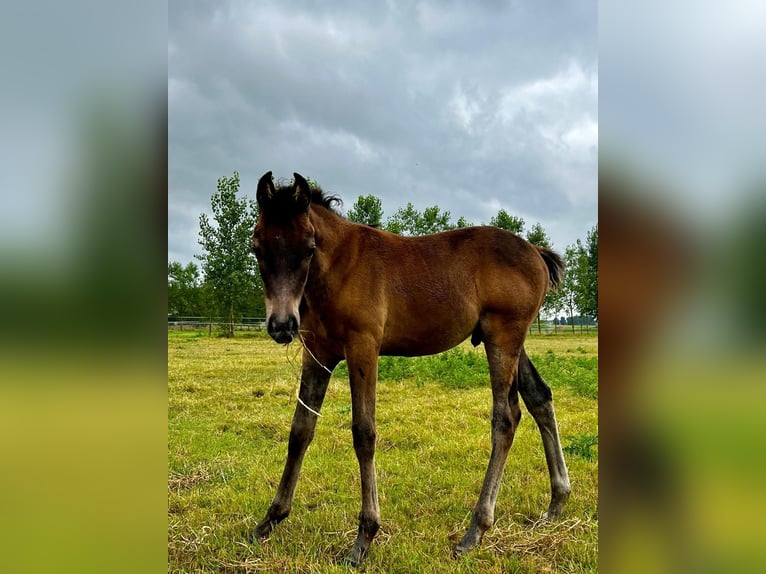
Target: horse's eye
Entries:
(311, 250)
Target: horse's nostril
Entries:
(282, 337)
(282, 331)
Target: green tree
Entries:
(570, 287)
(409, 221)
(580, 289)
(589, 288)
(183, 289)
(582, 279)
(434, 220)
(207, 304)
(227, 262)
(537, 236)
(584, 271)
(367, 210)
(462, 222)
(508, 222)
(403, 221)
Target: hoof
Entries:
(262, 531)
(356, 555)
(353, 558)
(460, 550)
(553, 513)
(471, 539)
(555, 509)
(549, 516)
(559, 498)
(264, 528)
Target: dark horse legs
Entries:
(512, 374)
(505, 418)
(539, 400)
(506, 413)
(314, 381)
(363, 374)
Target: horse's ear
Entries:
(301, 191)
(265, 189)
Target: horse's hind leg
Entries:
(506, 413)
(539, 400)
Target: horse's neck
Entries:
(333, 234)
(331, 229)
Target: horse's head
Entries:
(283, 242)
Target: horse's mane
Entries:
(318, 196)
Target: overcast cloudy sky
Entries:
(473, 106)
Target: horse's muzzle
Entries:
(282, 331)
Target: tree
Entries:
(462, 222)
(183, 289)
(434, 220)
(367, 210)
(589, 297)
(582, 275)
(508, 222)
(403, 221)
(581, 281)
(537, 236)
(227, 262)
(569, 288)
(409, 221)
(207, 303)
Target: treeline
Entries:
(227, 283)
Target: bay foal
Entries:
(358, 292)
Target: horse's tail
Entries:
(555, 266)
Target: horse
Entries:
(362, 292)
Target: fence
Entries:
(200, 323)
(546, 328)
(259, 324)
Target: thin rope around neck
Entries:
(303, 342)
(292, 363)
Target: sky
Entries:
(471, 106)
(681, 98)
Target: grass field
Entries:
(229, 412)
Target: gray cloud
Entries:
(471, 106)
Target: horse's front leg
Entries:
(363, 375)
(314, 380)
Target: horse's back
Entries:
(438, 287)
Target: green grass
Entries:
(229, 411)
(580, 445)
